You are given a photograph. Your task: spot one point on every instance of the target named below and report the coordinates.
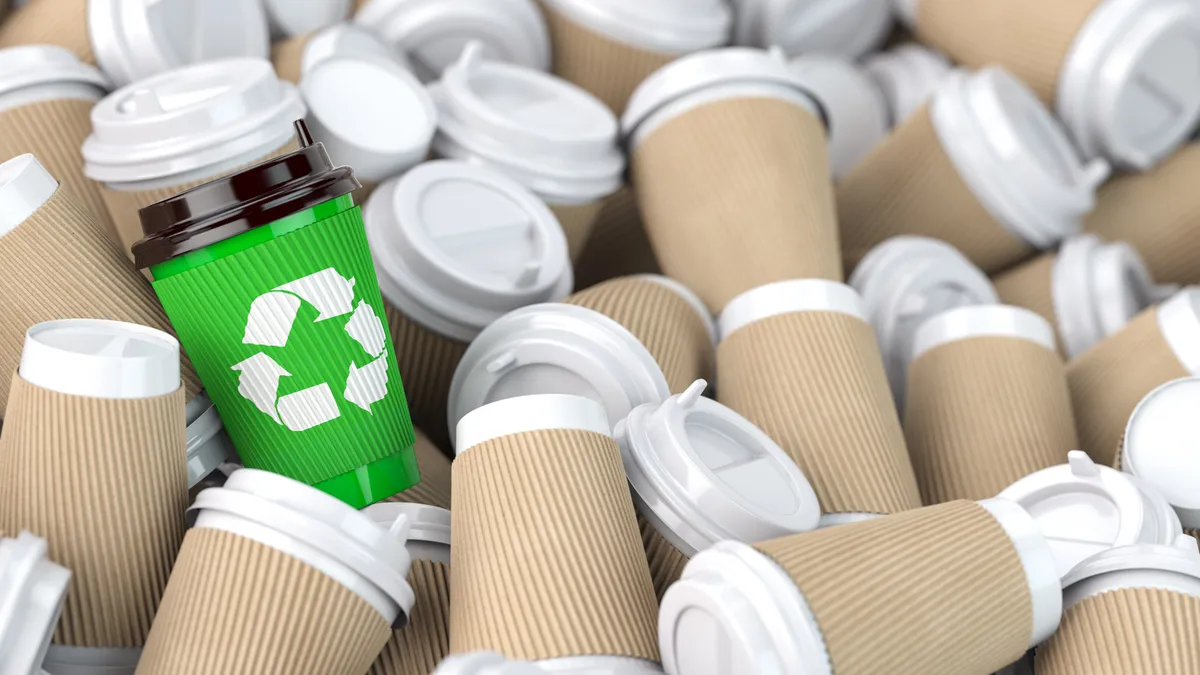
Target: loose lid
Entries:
(32, 589)
(907, 75)
(347, 39)
(980, 321)
(1162, 446)
(101, 359)
(853, 105)
(300, 17)
(548, 134)
(136, 39)
(849, 28)
(34, 65)
(191, 120)
(24, 186)
(457, 245)
(1174, 566)
(664, 26)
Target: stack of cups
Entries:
(418, 647)
(434, 465)
(31, 598)
(166, 134)
(106, 397)
(1107, 382)
(1134, 609)
(855, 110)
(907, 75)
(798, 359)
(709, 136)
(544, 526)
(961, 587)
(983, 166)
(1087, 290)
(295, 57)
(543, 132)
(305, 584)
(456, 246)
(987, 402)
(288, 18)
(1109, 67)
(1158, 447)
(702, 474)
(854, 28)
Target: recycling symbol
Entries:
(270, 323)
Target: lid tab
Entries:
(32, 589)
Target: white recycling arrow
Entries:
(307, 408)
(367, 330)
(368, 384)
(273, 313)
(331, 293)
(271, 317)
(259, 382)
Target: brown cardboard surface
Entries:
(286, 56)
(666, 561)
(546, 558)
(434, 465)
(1028, 285)
(427, 362)
(577, 221)
(104, 481)
(617, 245)
(50, 22)
(419, 647)
(982, 413)
(937, 590)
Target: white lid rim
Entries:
(672, 38)
(706, 317)
(1037, 559)
(99, 375)
(525, 414)
(786, 297)
(983, 321)
(25, 186)
(1179, 323)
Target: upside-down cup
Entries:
(982, 166)
(96, 421)
(544, 525)
(709, 135)
(979, 589)
(32, 589)
(987, 402)
(1155, 448)
(296, 56)
(434, 488)
(799, 360)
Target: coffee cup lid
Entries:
(1162, 446)
(784, 297)
(101, 359)
(347, 39)
(664, 26)
(425, 523)
(523, 414)
(595, 664)
(370, 113)
(710, 323)
(1122, 89)
(32, 65)
(1083, 508)
(701, 473)
(208, 446)
(485, 663)
(556, 348)
(906, 280)
(1180, 557)
(849, 28)
(136, 39)
(456, 245)
(433, 33)
(977, 321)
(907, 75)
(32, 589)
(191, 119)
(556, 138)
(1179, 323)
(64, 660)
(24, 186)
(288, 18)
(853, 105)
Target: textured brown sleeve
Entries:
(287, 55)
(434, 465)
(666, 561)
(617, 245)
(419, 647)
(576, 222)
(62, 23)
(1029, 285)
(427, 362)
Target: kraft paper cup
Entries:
(907, 75)
(31, 599)
(1154, 447)
(296, 56)
(981, 572)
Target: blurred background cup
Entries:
(289, 18)
(846, 28)
(32, 589)
(855, 110)
(61, 23)
(907, 75)
(296, 56)
(485, 663)
(1157, 447)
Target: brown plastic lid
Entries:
(228, 206)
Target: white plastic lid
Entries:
(1014, 156)
(548, 134)
(433, 33)
(1174, 567)
(855, 111)
(556, 348)
(1083, 509)
(784, 297)
(429, 528)
(1179, 323)
(849, 28)
(102, 359)
(523, 414)
(136, 39)
(599, 665)
(906, 280)
(64, 660)
(32, 589)
(710, 323)
(1037, 558)
(1127, 89)
(977, 321)
(36, 65)
(663, 26)
(1162, 446)
(370, 113)
(701, 473)
(907, 75)
(347, 39)
(457, 245)
(484, 663)
(191, 119)
(208, 446)
(24, 186)
(300, 17)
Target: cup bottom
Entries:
(376, 481)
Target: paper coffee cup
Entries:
(456, 246)
(849, 29)
(59, 23)
(1107, 382)
(983, 166)
(666, 317)
(543, 525)
(617, 245)
(855, 111)
(907, 75)
(798, 359)
(980, 572)
(903, 282)
(174, 131)
(434, 488)
(296, 56)
(289, 18)
(701, 474)
(1155, 447)
(709, 135)
(32, 589)
(987, 402)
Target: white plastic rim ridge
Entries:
(784, 297)
(102, 359)
(1159, 446)
(975, 321)
(1179, 323)
(674, 27)
(524, 414)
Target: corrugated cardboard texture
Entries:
(237, 607)
(427, 362)
(982, 413)
(908, 185)
(434, 488)
(577, 221)
(666, 561)
(618, 245)
(62, 264)
(50, 22)
(546, 557)
(736, 194)
(1134, 631)
(939, 590)
(1028, 285)
(1159, 213)
(1028, 37)
(54, 131)
(670, 328)
(419, 647)
(608, 69)
(287, 54)
(104, 481)
(814, 382)
(1110, 379)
